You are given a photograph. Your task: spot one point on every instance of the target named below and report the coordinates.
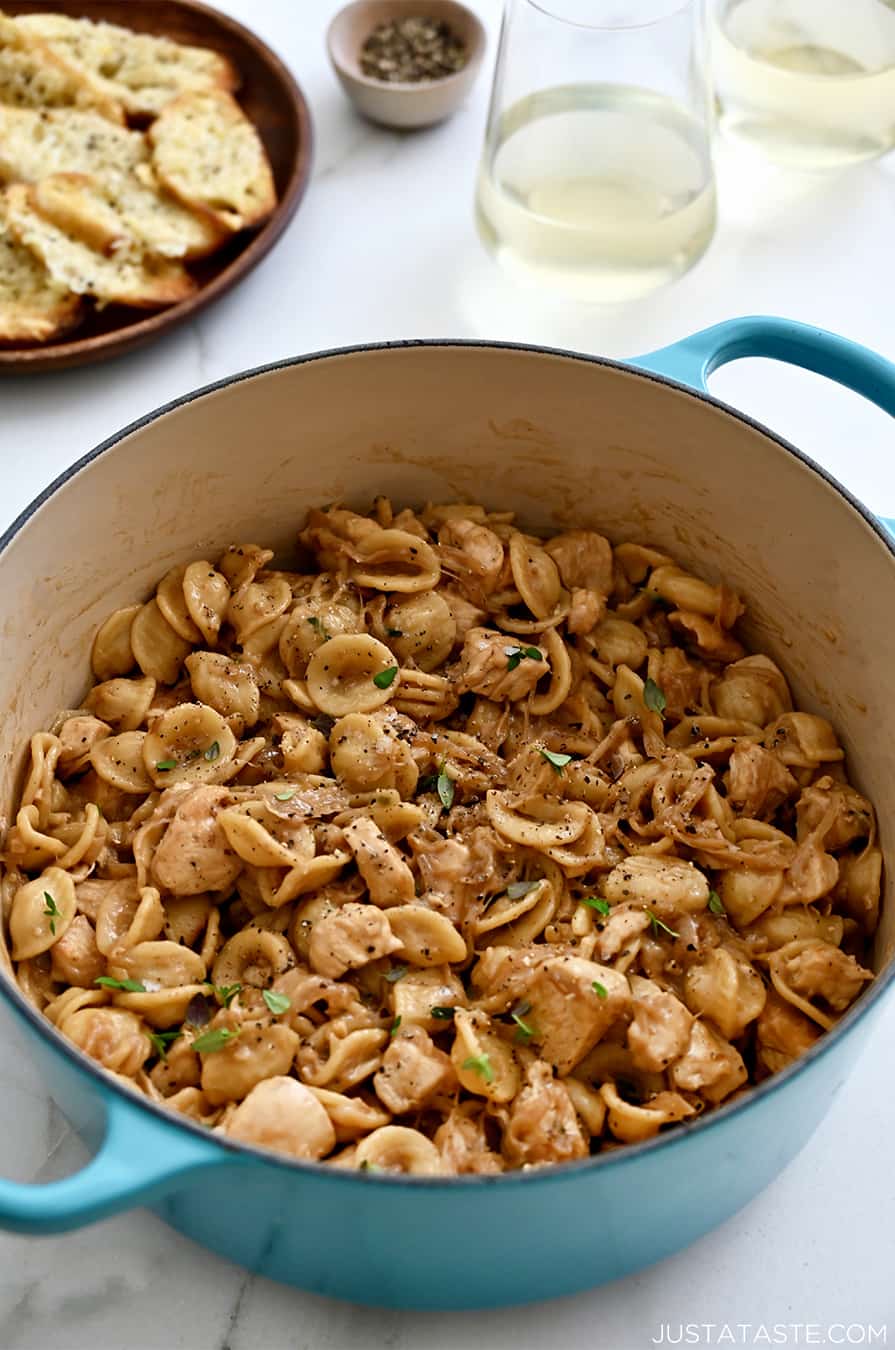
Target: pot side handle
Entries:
(137, 1160)
(692, 359)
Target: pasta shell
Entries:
(159, 651)
(397, 1148)
(226, 685)
(207, 595)
(122, 703)
(395, 560)
(427, 938)
(537, 822)
(253, 957)
(190, 743)
(119, 760)
(559, 688)
(42, 911)
(172, 603)
(112, 653)
(535, 576)
(341, 675)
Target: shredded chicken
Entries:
(194, 855)
(543, 1126)
(498, 667)
(413, 1071)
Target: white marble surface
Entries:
(384, 248)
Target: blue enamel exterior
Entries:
(468, 1242)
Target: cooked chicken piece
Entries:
(445, 866)
(584, 559)
(683, 684)
(181, 1068)
(498, 667)
(543, 1126)
(569, 1013)
(783, 1033)
(283, 1114)
(502, 974)
(114, 1038)
(817, 969)
(706, 638)
(78, 735)
(844, 813)
(194, 854)
(465, 614)
(413, 1072)
(758, 781)
(355, 935)
(623, 925)
(419, 991)
(331, 536)
(812, 873)
(76, 958)
(659, 1032)
(858, 889)
(389, 879)
(462, 1143)
(585, 611)
(473, 554)
(752, 690)
(710, 1066)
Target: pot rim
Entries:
(615, 1158)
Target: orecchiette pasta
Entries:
(456, 850)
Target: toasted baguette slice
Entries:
(32, 76)
(206, 151)
(124, 211)
(34, 144)
(127, 278)
(33, 308)
(141, 72)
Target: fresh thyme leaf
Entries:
(480, 1064)
(369, 1167)
(653, 697)
(599, 989)
(210, 1041)
(716, 905)
(441, 1013)
(161, 1040)
(533, 653)
(428, 783)
(595, 902)
(385, 677)
(284, 796)
(51, 912)
(393, 1029)
(525, 1031)
(199, 1012)
(657, 924)
(395, 974)
(277, 1003)
(213, 751)
(445, 787)
(225, 993)
(128, 986)
(556, 760)
(517, 889)
(163, 765)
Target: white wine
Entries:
(811, 84)
(605, 191)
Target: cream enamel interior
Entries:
(562, 441)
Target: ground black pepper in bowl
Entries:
(411, 50)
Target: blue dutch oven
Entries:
(639, 450)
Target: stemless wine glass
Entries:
(596, 175)
(808, 83)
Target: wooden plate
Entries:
(269, 96)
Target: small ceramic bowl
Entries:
(421, 104)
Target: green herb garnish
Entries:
(515, 654)
(369, 1167)
(212, 752)
(428, 783)
(595, 902)
(51, 912)
(716, 905)
(318, 626)
(653, 697)
(445, 786)
(210, 1041)
(277, 1003)
(395, 974)
(657, 924)
(599, 989)
(393, 1029)
(161, 1040)
(441, 1013)
(554, 759)
(128, 986)
(284, 796)
(226, 993)
(517, 889)
(480, 1064)
(385, 677)
(163, 765)
(525, 1030)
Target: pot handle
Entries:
(692, 359)
(137, 1160)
